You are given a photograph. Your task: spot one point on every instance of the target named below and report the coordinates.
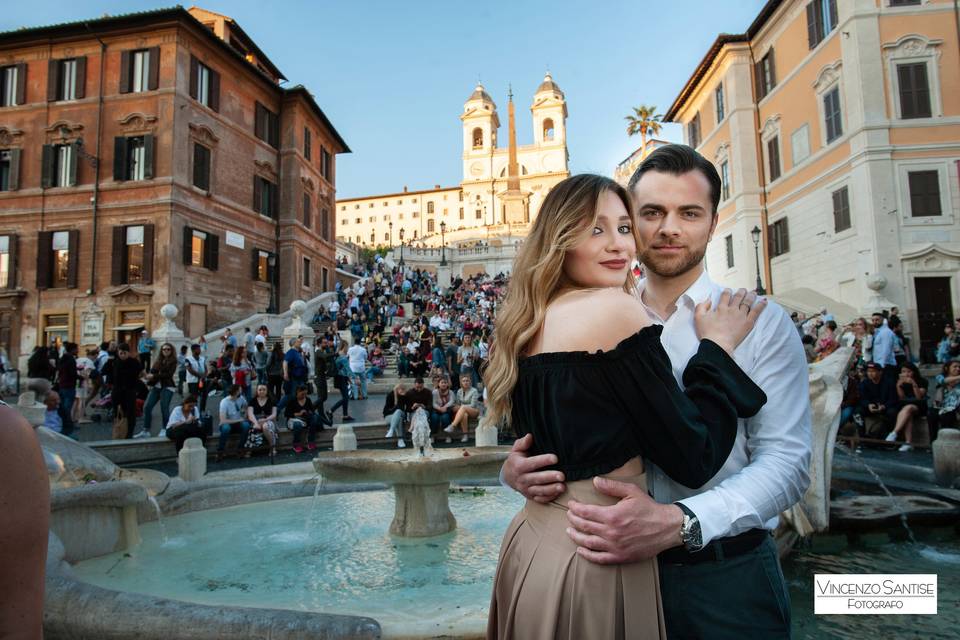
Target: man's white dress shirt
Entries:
(767, 471)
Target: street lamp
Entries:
(390, 235)
(755, 232)
(443, 244)
(401, 247)
(272, 262)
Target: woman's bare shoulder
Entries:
(591, 320)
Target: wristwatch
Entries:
(690, 533)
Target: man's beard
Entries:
(669, 267)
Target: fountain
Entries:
(421, 483)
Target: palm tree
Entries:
(646, 121)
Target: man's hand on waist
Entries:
(636, 528)
(527, 476)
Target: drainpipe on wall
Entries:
(764, 231)
(96, 163)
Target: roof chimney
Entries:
(404, 188)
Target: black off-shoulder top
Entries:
(596, 411)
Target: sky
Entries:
(392, 76)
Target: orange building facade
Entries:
(154, 158)
(835, 125)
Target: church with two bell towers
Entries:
(502, 186)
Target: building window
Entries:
(306, 210)
(430, 207)
(693, 131)
(372, 219)
(265, 197)
(765, 75)
(773, 157)
(6, 264)
(478, 214)
(66, 79)
(548, 132)
(307, 144)
(266, 125)
(385, 203)
(9, 169)
(429, 226)
(924, 193)
(306, 272)
(61, 259)
(725, 180)
(201, 249)
(779, 237)
(198, 247)
(326, 165)
(728, 246)
(204, 84)
(132, 255)
(914, 90)
(57, 259)
(325, 224)
(821, 20)
(343, 208)
(904, 3)
(718, 100)
(833, 123)
(201, 166)
(59, 165)
(370, 206)
(13, 82)
(478, 138)
(344, 222)
(133, 158)
(357, 220)
(261, 265)
(400, 216)
(139, 70)
(325, 278)
(386, 237)
(461, 213)
(358, 239)
(373, 237)
(415, 214)
(841, 210)
(356, 206)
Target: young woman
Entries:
(241, 370)
(912, 397)
(467, 406)
(947, 402)
(162, 385)
(601, 401)
(275, 370)
(341, 380)
(262, 414)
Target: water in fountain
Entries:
(163, 528)
(321, 482)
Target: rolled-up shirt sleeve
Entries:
(778, 442)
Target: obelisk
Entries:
(513, 199)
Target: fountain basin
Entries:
(421, 483)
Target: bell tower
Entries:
(480, 124)
(549, 111)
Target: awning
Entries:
(128, 327)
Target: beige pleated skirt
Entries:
(544, 591)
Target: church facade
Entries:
(481, 199)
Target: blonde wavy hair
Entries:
(538, 278)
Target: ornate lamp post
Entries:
(755, 232)
(443, 244)
(401, 247)
(390, 234)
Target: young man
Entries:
(196, 369)
(233, 417)
(125, 376)
(719, 572)
(294, 372)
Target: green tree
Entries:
(646, 121)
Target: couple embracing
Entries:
(665, 423)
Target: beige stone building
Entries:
(835, 125)
(477, 202)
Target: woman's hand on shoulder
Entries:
(729, 321)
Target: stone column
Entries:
(192, 460)
(422, 510)
(345, 439)
(168, 331)
(486, 435)
(946, 457)
(297, 327)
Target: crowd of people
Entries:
(886, 394)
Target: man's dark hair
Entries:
(894, 322)
(876, 313)
(418, 380)
(123, 346)
(679, 159)
(190, 400)
(232, 389)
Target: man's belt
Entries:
(717, 550)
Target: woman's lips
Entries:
(614, 264)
